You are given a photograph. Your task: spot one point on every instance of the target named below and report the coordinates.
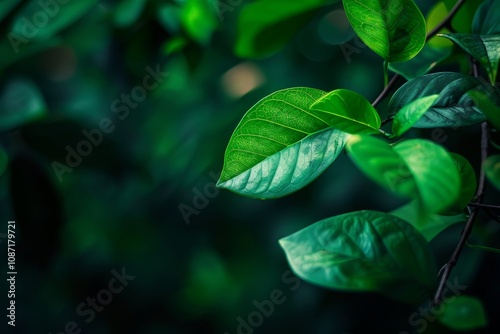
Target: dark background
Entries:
(120, 206)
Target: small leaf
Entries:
(487, 18)
(463, 313)
(394, 29)
(411, 113)
(434, 171)
(347, 111)
(266, 26)
(488, 108)
(491, 167)
(429, 225)
(454, 107)
(484, 48)
(280, 146)
(364, 251)
(422, 63)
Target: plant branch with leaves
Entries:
(288, 138)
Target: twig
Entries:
(438, 297)
(446, 20)
(386, 90)
(486, 206)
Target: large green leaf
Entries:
(265, 26)
(364, 251)
(422, 63)
(491, 167)
(487, 107)
(416, 168)
(484, 48)
(280, 146)
(347, 111)
(394, 29)
(434, 171)
(463, 313)
(487, 18)
(411, 113)
(429, 224)
(454, 107)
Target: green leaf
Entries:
(127, 12)
(199, 20)
(33, 23)
(394, 29)
(422, 63)
(487, 18)
(491, 167)
(347, 111)
(280, 146)
(428, 224)
(454, 107)
(265, 26)
(468, 185)
(463, 313)
(364, 251)
(484, 48)
(20, 102)
(411, 113)
(378, 160)
(487, 107)
(434, 171)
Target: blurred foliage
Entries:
(63, 66)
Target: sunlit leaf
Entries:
(454, 107)
(468, 185)
(364, 251)
(280, 146)
(347, 111)
(463, 313)
(394, 29)
(484, 48)
(407, 116)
